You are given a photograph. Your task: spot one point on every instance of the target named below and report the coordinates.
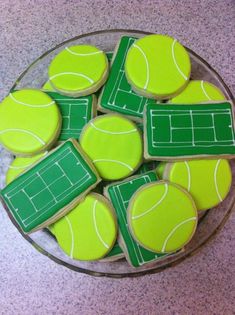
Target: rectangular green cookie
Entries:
(148, 166)
(120, 194)
(181, 131)
(117, 94)
(50, 188)
(75, 112)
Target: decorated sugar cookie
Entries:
(162, 217)
(114, 145)
(48, 87)
(78, 70)
(208, 181)
(189, 131)
(75, 112)
(198, 92)
(115, 253)
(117, 94)
(157, 66)
(50, 188)
(160, 168)
(30, 122)
(21, 164)
(120, 194)
(89, 231)
(147, 166)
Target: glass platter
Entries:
(210, 221)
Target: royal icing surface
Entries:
(158, 66)
(162, 217)
(89, 231)
(30, 121)
(41, 192)
(188, 130)
(107, 140)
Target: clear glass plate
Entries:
(210, 222)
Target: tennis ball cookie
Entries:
(197, 92)
(208, 181)
(162, 217)
(89, 231)
(114, 145)
(157, 66)
(160, 169)
(78, 70)
(21, 164)
(30, 122)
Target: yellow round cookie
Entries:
(78, 70)
(21, 164)
(198, 92)
(208, 181)
(30, 122)
(89, 231)
(114, 145)
(157, 66)
(162, 217)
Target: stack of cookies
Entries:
(118, 153)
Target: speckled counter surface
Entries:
(30, 283)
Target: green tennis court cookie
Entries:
(208, 181)
(89, 231)
(198, 92)
(162, 217)
(78, 70)
(157, 66)
(189, 131)
(107, 140)
(148, 166)
(75, 112)
(21, 164)
(117, 94)
(30, 122)
(120, 194)
(50, 188)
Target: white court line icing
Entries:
(204, 90)
(174, 59)
(154, 206)
(72, 236)
(215, 180)
(114, 161)
(147, 65)
(174, 229)
(30, 105)
(23, 131)
(96, 228)
(71, 73)
(189, 175)
(80, 54)
(113, 132)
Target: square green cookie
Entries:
(181, 131)
(75, 112)
(120, 194)
(50, 188)
(117, 94)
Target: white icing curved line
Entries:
(96, 228)
(26, 165)
(174, 59)
(174, 229)
(72, 236)
(114, 161)
(147, 65)
(87, 54)
(204, 90)
(215, 180)
(189, 175)
(30, 105)
(72, 73)
(113, 132)
(154, 206)
(24, 131)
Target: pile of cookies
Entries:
(118, 153)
